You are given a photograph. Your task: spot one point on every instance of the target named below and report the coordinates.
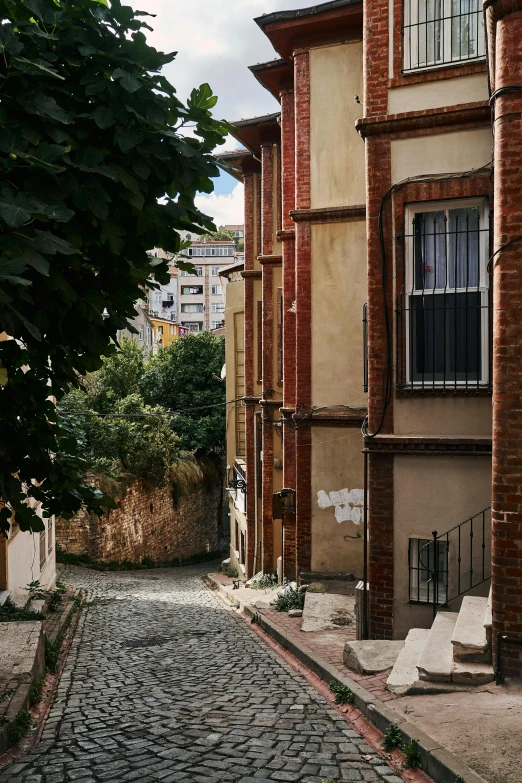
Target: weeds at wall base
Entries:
(126, 565)
(19, 727)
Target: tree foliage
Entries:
(186, 376)
(90, 145)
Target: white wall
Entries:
(23, 553)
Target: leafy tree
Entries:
(91, 143)
(143, 446)
(222, 235)
(118, 377)
(186, 376)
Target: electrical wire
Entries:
(387, 380)
(166, 413)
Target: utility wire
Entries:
(146, 415)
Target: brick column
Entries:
(287, 236)
(380, 566)
(505, 27)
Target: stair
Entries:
(456, 649)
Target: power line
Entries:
(146, 415)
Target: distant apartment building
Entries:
(202, 295)
(237, 230)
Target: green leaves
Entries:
(89, 146)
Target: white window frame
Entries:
(414, 31)
(483, 286)
(216, 290)
(218, 307)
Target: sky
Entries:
(216, 41)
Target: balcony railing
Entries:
(238, 485)
(442, 32)
(453, 563)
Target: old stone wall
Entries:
(146, 523)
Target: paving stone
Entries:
(163, 684)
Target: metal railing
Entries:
(443, 313)
(238, 484)
(453, 563)
(442, 32)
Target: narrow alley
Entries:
(165, 683)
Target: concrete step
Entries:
(469, 673)
(405, 673)
(436, 660)
(469, 638)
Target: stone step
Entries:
(405, 673)
(436, 660)
(469, 638)
(469, 673)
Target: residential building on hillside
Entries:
(395, 271)
(237, 229)
(202, 295)
(166, 332)
(304, 291)
(144, 330)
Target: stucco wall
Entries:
(434, 95)
(234, 328)
(146, 523)
(337, 464)
(23, 562)
(431, 493)
(450, 417)
(339, 291)
(440, 153)
(337, 168)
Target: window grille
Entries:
(443, 312)
(439, 32)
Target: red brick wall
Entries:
(507, 364)
(380, 565)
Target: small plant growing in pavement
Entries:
(410, 749)
(21, 724)
(289, 598)
(343, 695)
(6, 695)
(263, 581)
(227, 570)
(36, 691)
(392, 737)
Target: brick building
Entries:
(386, 189)
(304, 290)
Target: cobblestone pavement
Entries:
(165, 683)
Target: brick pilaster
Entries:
(380, 566)
(506, 44)
(267, 197)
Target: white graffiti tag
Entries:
(348, 504)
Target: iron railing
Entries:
(441, 32)
(452, 563)
(365, 346)
(443, 308)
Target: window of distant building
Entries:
(193, 326)
(191, 290)
(216, 290)
(218, 307)
(217, 324)
(191, 308)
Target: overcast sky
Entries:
(216, 41)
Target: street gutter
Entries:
(441, 765)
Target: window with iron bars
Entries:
(443, 311)
(441, 32)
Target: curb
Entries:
(437, 762)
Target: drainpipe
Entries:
(365, 551)
(256, 557)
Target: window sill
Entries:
(438, 72)
(418, 391)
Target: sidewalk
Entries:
(447, 748)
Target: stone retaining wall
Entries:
(146, 523)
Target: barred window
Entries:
(443, 315)
(438, 32)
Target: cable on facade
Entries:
(387, 380)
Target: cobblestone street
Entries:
(165, 683)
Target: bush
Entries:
(289, 598)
